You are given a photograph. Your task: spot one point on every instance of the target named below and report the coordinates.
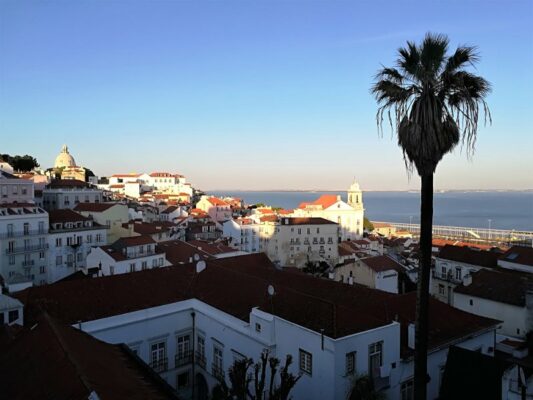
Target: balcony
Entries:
(24, 249)
(35, 232)
(28, 263)
(183, 358)
(200, 359)
(160, 364)
(217, 372)
(449, 277)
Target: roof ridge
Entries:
(65, 348)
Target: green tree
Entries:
(433, 103)
(367, 224)
(23, 163)
(363, 389)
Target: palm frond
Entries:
(432, 53)
(463, 55)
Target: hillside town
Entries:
(139, 285)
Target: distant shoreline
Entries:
(344, 190)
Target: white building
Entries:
(23, 242)
(70, 239)
(297, 241)
(11, 311)
(210, 315)
(245, 234)
(68, 193)
(218, 209)
(349, 215)
(503, 295)
(453, 264)
(15, 190)
(128, 254)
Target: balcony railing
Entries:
(184, 358)
(34, 232)
(200, 359)
(24, 249)
(28, 263)
(446, 277)
(160, 364)
(217, 372)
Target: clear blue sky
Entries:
(250, 94)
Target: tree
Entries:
(433, 103)
(363, 389)
(240, 380)
(369, 226)
(23, 163)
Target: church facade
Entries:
(348, 214)
(65, 167)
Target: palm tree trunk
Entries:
(422, 299)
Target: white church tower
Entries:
(355, 196)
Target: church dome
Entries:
(64, 159)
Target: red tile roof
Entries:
(133, 241)
(132, 175)
(65, 215)
(211, 248)
(161, 175)
(481, 258)
(235, 285)
(55, 361)
(519, 255)
(217, 202)
(382, 263)
(94, 207)
(324, 201)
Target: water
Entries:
(506, 210)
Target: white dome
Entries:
(64, 159)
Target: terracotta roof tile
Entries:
(465, 255)
(94, 207)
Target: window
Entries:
(26, 228)
(458, 274)
(441, 289)
(144, 265)
(13, 316)
(41, 255)
(161, 262)
(154, 263)
(111, 270)
(58, 242)
(158, 356)
(41, 226)
(201, 347)
(350, 363)
(407, 390)
(79, 257)
(132, 267)
(306, 362)
(218, 361)
(11, 260)
(443, 272)
(375, 358)
(471, 302)
(9, 230)
(257, 327)
(42, 269)
(183, 349)
(89, 238)
(59, 260)
(98, 237)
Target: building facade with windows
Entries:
(23, 242)
(128, 254)
(349, 215)
(203, 317)
(70, 239)
(68, 193)
(111, 215)
(15, 190)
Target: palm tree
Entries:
(433, 103)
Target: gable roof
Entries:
(519, 255)
(67, 183)
(65, 215)
(325, 201)
(94, 207)
(66, 363)
(216, 201)
(382, 263)
(499, 285)
(481, 258)
(235, 285)
(306, 221)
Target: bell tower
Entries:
(355, 196)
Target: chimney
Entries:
(350, 280)
(331, 275)
(467, 280)
(411, 336)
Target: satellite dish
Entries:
(271, 290)
(196, 257)
(200, 266)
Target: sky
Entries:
(251, 95)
